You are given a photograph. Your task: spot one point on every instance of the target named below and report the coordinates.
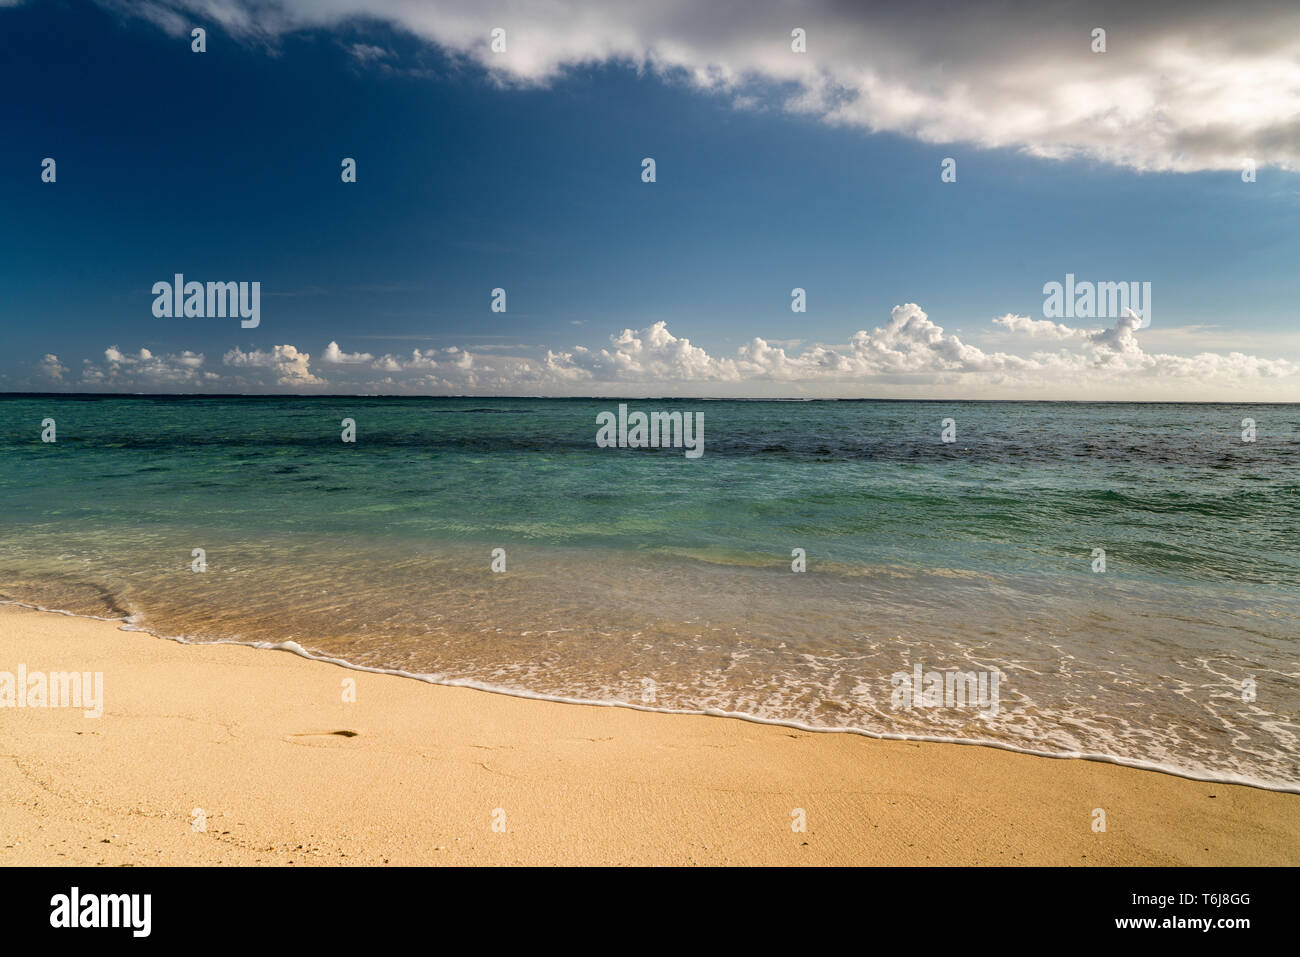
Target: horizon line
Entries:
(616, 398)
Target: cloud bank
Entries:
(1181, 86)
(908, 356)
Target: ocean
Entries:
(646, 578)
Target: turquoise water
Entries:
(641, 576)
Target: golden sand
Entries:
(224, 754)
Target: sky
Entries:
(1171, 157)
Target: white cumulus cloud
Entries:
(909, 355)
(1181, 86)
(143, 369)
(290, 366)
(52, 368)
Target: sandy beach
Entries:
(225, 754)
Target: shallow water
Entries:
(640, 576)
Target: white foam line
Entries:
(128, 620)
(128, 624)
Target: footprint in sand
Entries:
(343, 733)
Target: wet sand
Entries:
(225, 754)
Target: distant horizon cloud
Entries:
(1178, 88)
(910, 356)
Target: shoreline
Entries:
(281, 770)
(293, 647)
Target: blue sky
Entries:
(225, 166)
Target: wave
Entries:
(130, 623)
